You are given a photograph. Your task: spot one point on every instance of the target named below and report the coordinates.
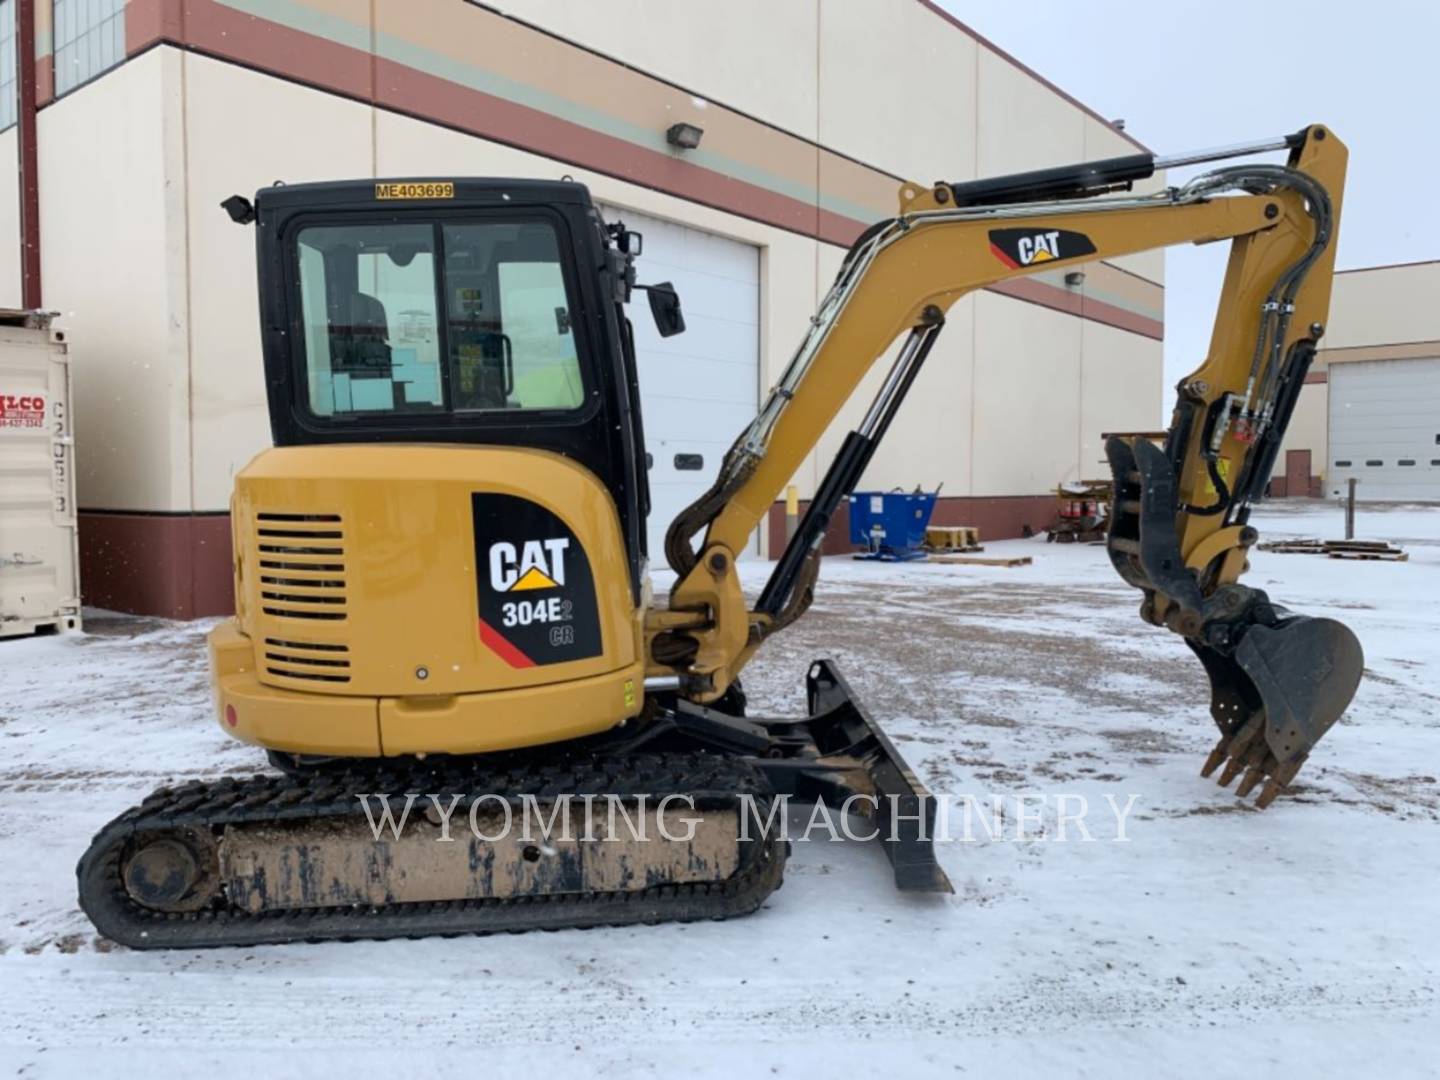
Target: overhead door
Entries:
(700, 388)
(1385, 429)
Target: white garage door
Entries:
(700, 388)
(1385, 429)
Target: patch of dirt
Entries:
(1399, 796)
(70, 944)
(922, 648)
(114, 625)
(1237, 807)
(1145, 740)
(1002, 776)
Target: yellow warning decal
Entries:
(629, 693)
(1223, 468)
(533, 578)
(430, 189)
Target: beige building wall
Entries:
(771, 76)
(112, 258)
(9, 219)
(1376, 313)
(1025, 398)
(1113, 364)
(245, 131)
(1384, 305)
(1307, 430)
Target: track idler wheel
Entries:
(171, 872)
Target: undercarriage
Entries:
(674, 820)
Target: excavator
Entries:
(444, 613)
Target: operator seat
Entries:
(360, 338)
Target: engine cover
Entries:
(430, 580)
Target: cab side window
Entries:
(512, 344)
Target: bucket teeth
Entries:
(1259, 764)
(1268, 794)
(1231, 770)
(1237, 748)
(1233, 746)
(1279, 782)
(1216, 756)
(1253, 775)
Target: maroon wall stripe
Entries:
(223, 31)
(27, 156)
(178, 566)
(150, 21)
(44, 80)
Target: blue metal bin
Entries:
(890, 525)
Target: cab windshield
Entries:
(467, 317)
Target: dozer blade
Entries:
(1284, 686)
(298, 858)
(837, 755)
(844, 731)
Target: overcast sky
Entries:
(1187, 77)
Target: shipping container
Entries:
(39, 558)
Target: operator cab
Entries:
(480, 311)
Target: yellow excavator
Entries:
(444, 622)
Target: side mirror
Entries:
(240, 209)
(665, 308)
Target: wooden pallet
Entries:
(1339, 549)
(952, 538)
(967, 560)
(1372, 550)
(1294, 547)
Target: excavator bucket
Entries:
(1279, 681)
(1280, 691)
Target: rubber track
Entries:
(712, 780)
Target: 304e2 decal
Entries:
(536, 591)
(1026, 247)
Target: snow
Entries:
(1215, 939)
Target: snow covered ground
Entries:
(1217, 939)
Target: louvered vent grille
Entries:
(302, 565)
(315, 661)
